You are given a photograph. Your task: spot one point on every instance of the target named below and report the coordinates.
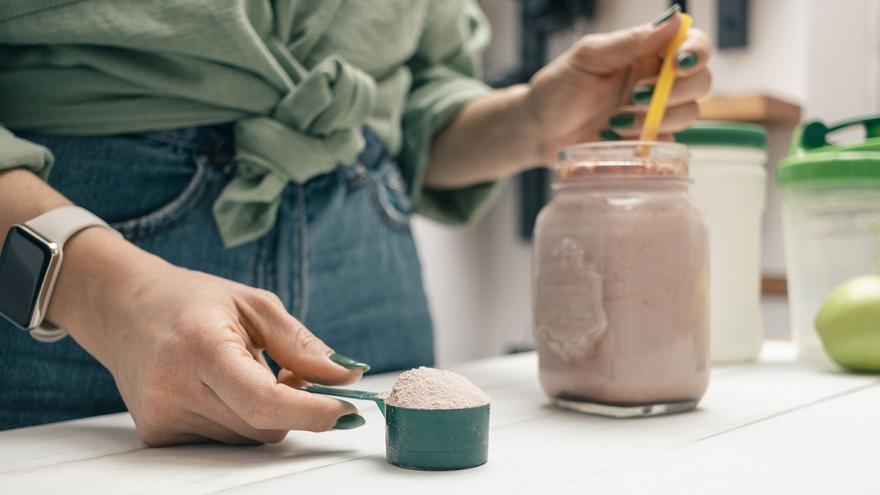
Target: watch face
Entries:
(23, 264)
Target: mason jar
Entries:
(621, 282)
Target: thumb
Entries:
(294, 347)
(607, 52)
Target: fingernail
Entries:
(609, 135)
(347, 362)
(686, 60)
(666, 15)
(642, 95)
(622, 120)
(349, 422)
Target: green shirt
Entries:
(298, 77)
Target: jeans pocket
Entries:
(172, 212)
(140, 183)
(391, 196)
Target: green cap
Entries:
(812, 158)
(709, 133)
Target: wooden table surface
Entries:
(770, 427)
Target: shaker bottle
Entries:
(831, 220)
(621, 282)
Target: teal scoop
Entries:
(427, 439)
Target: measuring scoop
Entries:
(427, 439)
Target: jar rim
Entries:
(622, 158)
(575, 151)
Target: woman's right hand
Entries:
(185, 349)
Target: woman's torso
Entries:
(98, 66)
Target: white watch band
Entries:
(58, 226)
(62, 223)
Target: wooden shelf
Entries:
(754, 107)
(774, 285)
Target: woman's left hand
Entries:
(604, 82)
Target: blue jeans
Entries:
(341, 256)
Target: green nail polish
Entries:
(642, 95)
(686, 60)
(609, 135)
(347, 362)
(349, 422)
(666, 15)
(623, 120)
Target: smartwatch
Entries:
(29, 265)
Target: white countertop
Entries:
(768, 427)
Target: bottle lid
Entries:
(813, 159)
(712, 133)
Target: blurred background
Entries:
(775, 63)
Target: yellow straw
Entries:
(664, 85)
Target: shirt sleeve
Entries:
(16, 152)
(446, 74)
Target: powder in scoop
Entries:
(429, 388)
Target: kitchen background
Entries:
(820, 55)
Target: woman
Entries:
(261, 159)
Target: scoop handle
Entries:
(663, 87)
(348, 393)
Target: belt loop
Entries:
(374, 150)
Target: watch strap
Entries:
(58, 226)
(62, 223)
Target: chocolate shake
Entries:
(621, 279)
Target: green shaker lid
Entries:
(812, 158)
(710, 133)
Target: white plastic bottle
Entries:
(730, 181)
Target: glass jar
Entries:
(621, 282)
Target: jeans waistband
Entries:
(219, 140)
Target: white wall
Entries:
(474, 275)
(452, 262)
(821, 53)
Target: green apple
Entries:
(849, 323)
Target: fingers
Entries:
(691, 57)
(252, 393)
(288, 378)
(167, 437)
(230, 428)
(293, 346)
(693, 53)
(210, 429)
(608, 52)
(685, 89)
(676, 118)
